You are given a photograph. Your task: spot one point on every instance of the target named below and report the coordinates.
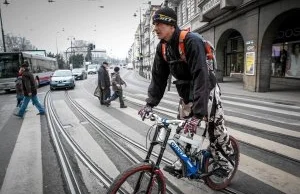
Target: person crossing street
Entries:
(30, 92)
(117, 83)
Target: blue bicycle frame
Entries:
(191, 169)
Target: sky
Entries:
(51, 26)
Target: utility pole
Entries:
(141, 46)
(3, 40)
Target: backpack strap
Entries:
(181, 46)
(163, 49)
(208, 51)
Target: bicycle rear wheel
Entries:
(139, 178)
(220, 179)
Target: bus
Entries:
(41, 66)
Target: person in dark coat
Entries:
(117, 83)
(30, 91)
(103, 83)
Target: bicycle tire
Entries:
(130, 178)
(235, 157)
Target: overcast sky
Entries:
(111, 28)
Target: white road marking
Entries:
(24, 172)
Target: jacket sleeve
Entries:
(101, 78)
(122, 82)
(196, 59)
(160, 74)
(27, 83)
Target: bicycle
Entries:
(196, 163)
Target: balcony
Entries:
(211, 9)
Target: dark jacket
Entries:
(103, 77)
(28, 83)
(117, 81)
(192, 75)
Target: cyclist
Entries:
(196, 86)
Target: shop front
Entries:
(258, 42)
(280, 52)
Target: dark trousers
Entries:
(104, 95)
(117, 94)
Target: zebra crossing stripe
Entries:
(24, 172)
(281, 180)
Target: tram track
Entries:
(57, 128)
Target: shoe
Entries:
(171, 169)
(223, 163)
(107, 103)
(123, 106)
(41, 113)
(17, 115)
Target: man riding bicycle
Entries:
(196, 85)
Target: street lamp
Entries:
(141, 45)
(70, 38)
(3, 40)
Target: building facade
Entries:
(256, 41)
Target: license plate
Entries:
(60, 84)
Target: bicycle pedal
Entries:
(171, 170)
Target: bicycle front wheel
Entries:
(138, 179)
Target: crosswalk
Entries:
(270, 130)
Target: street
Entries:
(266, 125)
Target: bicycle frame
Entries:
(192, 168)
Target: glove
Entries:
(145, 111)
(191, 125)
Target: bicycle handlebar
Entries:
(154, 117)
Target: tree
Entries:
(51, 55)
(17, 43)
(60, 61)
(76, 60)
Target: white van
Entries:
(92, 69)
(129, 66)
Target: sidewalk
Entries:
(278, 94)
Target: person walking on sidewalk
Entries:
(103, 83)
(19, 88)
(30, 91)
(194, 82)
(117, 82)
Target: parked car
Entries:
(92, 69)
(79, 73)
(129, 66)
(62, 78)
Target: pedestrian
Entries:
(19, 88)
(193, 82)
(117, 82)
(30, 91)
(104, 82)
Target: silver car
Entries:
(62, 78)
(79, 73)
